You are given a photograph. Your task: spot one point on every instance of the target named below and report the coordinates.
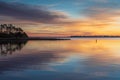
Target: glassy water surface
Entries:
(76, 59)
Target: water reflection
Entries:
(10, 46)
(83, 59)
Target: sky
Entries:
(62, 17)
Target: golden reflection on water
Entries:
(92, 57)
(96, 52)
(101, 50)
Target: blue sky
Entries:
(71, 17)
(72, 7)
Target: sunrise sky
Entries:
(63, 17)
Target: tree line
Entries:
(11, 31)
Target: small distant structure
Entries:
(9, 31)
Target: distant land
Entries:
(69, 37)
(49, 38)
(104, 36)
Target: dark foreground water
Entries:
(76, 59)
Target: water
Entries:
(76, 59)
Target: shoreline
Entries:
(35, 39)
(68, 38)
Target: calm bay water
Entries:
(76, 59)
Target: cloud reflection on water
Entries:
(67, 60)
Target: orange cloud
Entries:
(96, 20)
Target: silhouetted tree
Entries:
(10, 31)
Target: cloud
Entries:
(96, 17)
(29, 13)
(100, 12)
